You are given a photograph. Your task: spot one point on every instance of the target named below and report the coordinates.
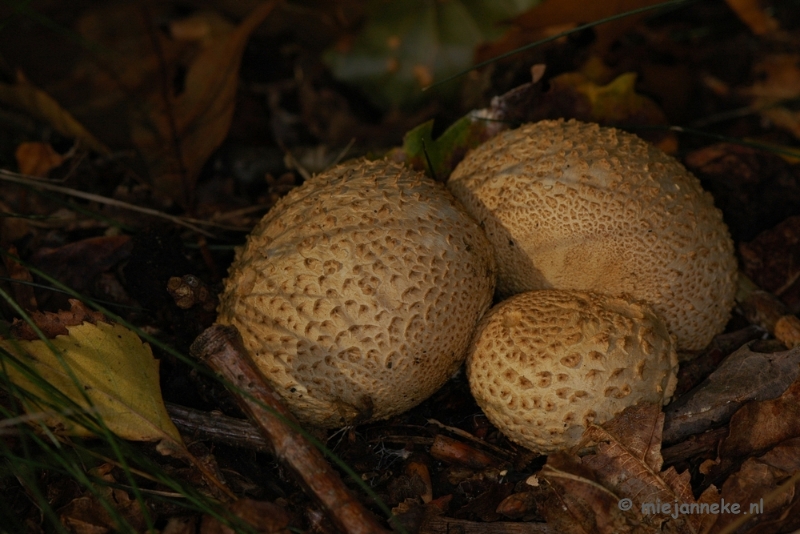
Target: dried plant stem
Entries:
(222, 349)
(34, 182)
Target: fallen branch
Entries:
(221, 348)
(217, 428)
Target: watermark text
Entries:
(674, 509)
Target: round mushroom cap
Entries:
(571, 205)
(358, 293)
(546, 364)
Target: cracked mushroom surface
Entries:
(572, 205)
(543, 365)
(358, 293)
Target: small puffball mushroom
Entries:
(358, 293)
(543, 365)
(571, 205)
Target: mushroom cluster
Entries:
(591, 227)
(358, 293)
(571, 205)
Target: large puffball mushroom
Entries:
(358, 293)
(544, 365)
(571, 205)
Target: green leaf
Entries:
(405, 46)
(438, 157)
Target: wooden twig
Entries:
(217, 428)
(221, 348)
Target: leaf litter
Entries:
(182, 79)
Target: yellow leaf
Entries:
(614, 103)
(116, 370)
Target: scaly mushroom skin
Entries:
(543, 365)
(571, 205)
(358, 293)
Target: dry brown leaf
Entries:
(198, 118)
(621, 488)
(26, 97)
(767, 488)
(776, 420)
(778, 78)
(772, 261)
(751, 13)
(628, 461)
(77, 264)
(755, 189)
(743, 376)
(88, 513)
(55, 324)
(37, 159)
(579, 504)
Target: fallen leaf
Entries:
(778, 78)
(570, 95)
(89, 512)
(113, 368)
(55, 324)
(778, 83)
(518, 505)
(404, 46)
(26, 97)
(37, 159)
(78, 263)
(776, 420)
(580, 504)
(574, 95)
(447, 525)
(620, 487)
(438, 157)
(697, 367)
(755, 189)
(197, 119)
(628, 461)
(766, 490)
(751, 13)
(772, 261)
(741, 377)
